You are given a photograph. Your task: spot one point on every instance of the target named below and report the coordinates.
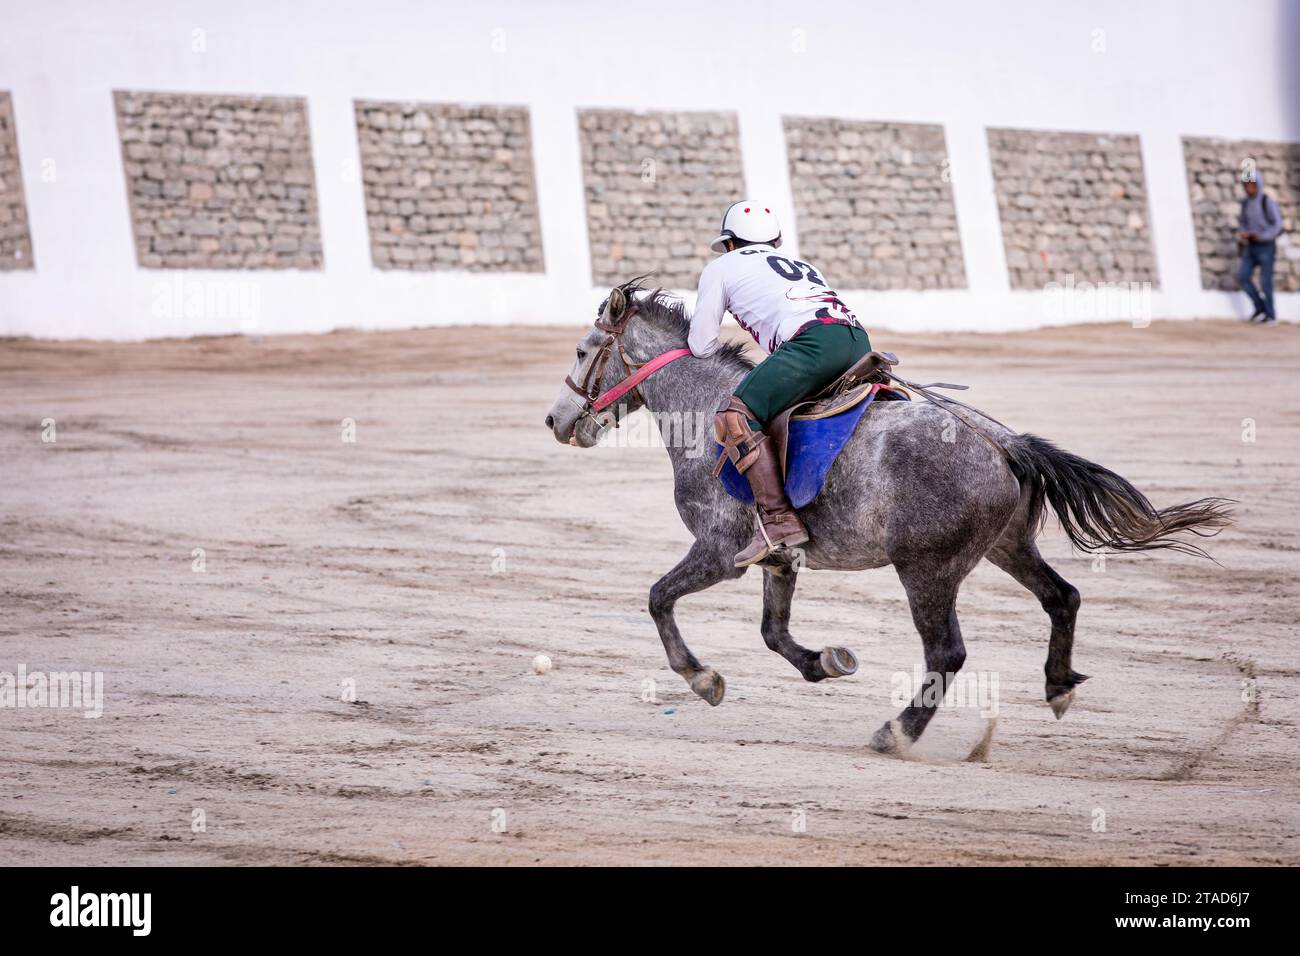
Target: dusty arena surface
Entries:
(426, 563)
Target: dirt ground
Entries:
(430, 560)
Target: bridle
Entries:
(613, 322)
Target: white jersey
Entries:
(770, 295)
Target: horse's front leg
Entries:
(703, 567)
(778, 593)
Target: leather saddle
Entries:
(865, 378)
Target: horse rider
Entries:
(811, 339)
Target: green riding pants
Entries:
(801, 367)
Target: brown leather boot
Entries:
(751, 452)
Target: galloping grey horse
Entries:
(924, 488)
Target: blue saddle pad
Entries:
(814, 444)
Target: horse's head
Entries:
(604, 359)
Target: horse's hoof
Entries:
(890, 739)
(709, 685)
(1061, 703)
(1061, 696)
(839, 661)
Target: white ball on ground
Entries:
(541, 664)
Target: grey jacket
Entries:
(1263, 220)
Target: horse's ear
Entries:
(617, 304)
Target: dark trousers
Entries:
(1258, 254)
(801, 367)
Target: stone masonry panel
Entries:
(874, 203)
(1072, 204)
(15, 235)
(1214, 175)
(219, 182)
(449, 187)
(657, 185)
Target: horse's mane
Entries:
(665, 311)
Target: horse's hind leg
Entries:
(1020, 559)
(703, 567)
(932, 594)
(778, 592)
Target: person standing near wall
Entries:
(1258, 226)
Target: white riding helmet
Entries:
(748, 221)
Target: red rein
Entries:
(637, 377)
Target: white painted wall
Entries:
(1170, 68)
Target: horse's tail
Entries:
(1102, 511)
